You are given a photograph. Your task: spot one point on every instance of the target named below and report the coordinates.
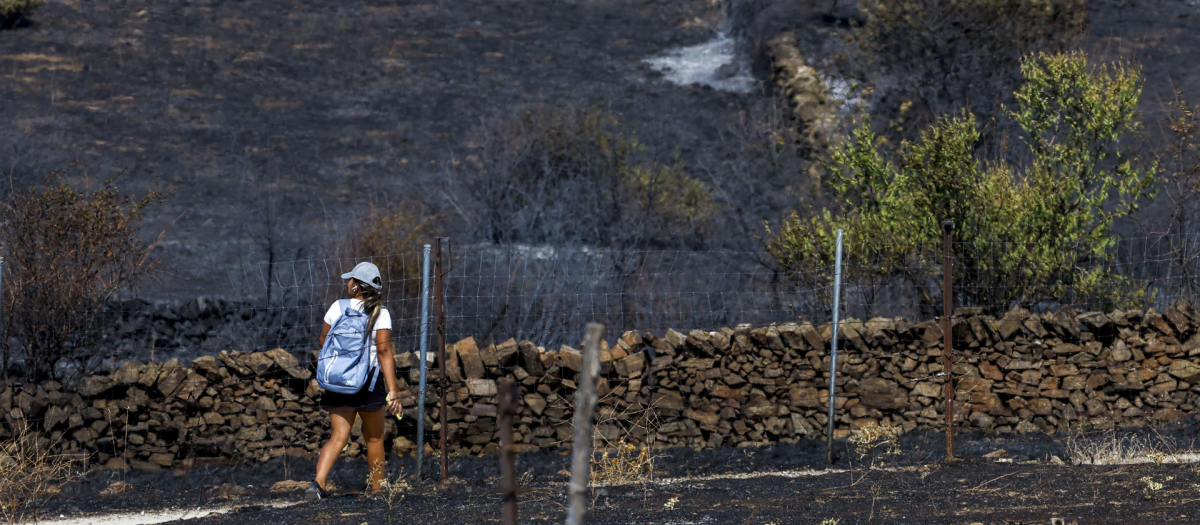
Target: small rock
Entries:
(289, 486)
(481, 387)
(208, 366)
(128, 373)
(726, 71)
(258, 363)
(163, 459)
(116, 488)
(229, 489)
(401, 446)
(288, 363)
(94, 385)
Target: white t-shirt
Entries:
(383, 323)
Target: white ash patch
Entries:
(714, 63)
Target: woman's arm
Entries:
(387, 363)
(324, 332)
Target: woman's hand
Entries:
(394, 406)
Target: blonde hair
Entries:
(372, 302)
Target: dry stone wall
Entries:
(743, 386)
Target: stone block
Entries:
(288, 362)
(481, 387)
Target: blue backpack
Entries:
(345, 359)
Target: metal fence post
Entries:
(424, 353)
(3, 335)
(443, 381)
(947, 339)
(833, 344)
(585, 404)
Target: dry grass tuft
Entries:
(29, 472)
(623, 439)
(1123, 448)
(876, 440)
(391, 491)
(623, 464)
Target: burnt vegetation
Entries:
(69, 250)
(579, 174)
(515, 129)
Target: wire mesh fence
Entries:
(545, 294)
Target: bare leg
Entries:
(341, 420)
(372, 429)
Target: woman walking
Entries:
(365, 289)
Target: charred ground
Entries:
(779, 484)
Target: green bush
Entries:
(15, 13)
(1027, 232)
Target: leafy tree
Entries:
(1027, 232)
(941, 55)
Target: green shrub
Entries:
(15, 13)
(1027, 232)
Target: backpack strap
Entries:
(374, 378)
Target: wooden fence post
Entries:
(585, 405)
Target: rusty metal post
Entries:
(947, 339)
(443, 381)
(509, 400)
(585, 405)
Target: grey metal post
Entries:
(833, 344)
(424, 351)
